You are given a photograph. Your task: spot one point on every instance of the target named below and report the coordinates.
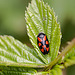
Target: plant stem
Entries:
(63, 53)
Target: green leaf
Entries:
(56, 70)
(16, 70)
(14, 53)
(41, 18)
(69, 58)
(28, 71)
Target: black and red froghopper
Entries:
(43, 43)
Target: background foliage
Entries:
(12, 19)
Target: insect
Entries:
(43, 43)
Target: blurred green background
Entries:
(12, 20)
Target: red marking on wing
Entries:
(39, 39)
(42, 50)
(39, 44)
(44, 46)
(47, 42)
(44, 38)
(47, 49)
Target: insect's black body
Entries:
(43, 43)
